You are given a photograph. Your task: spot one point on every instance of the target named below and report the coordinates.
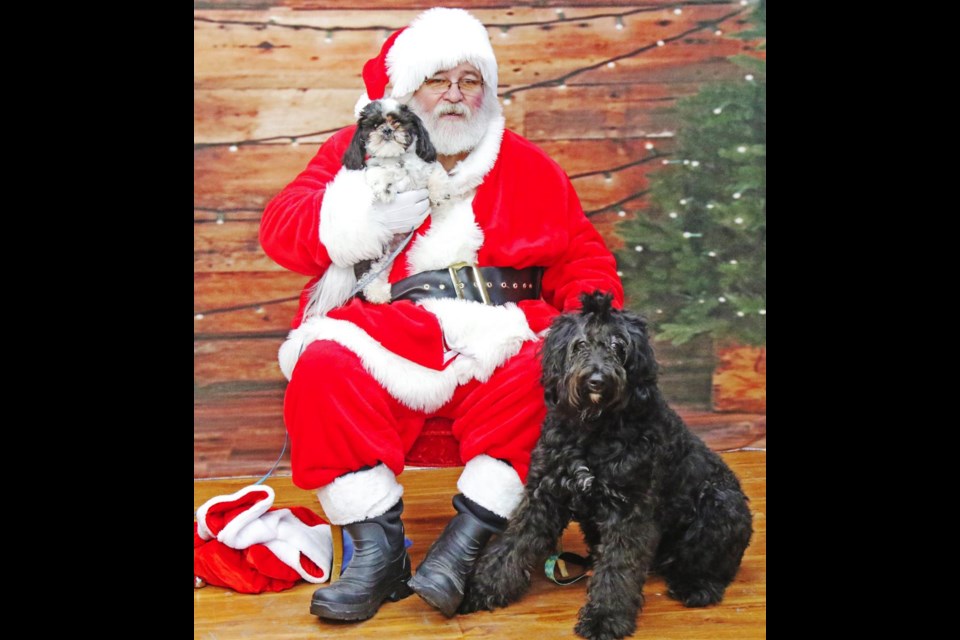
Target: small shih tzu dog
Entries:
(393, 148)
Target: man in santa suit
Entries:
(422, 340)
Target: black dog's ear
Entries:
(597, 302)
(425, 148)
(641, 360)
(553, 359)
(353, 157)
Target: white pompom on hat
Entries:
(436, 40)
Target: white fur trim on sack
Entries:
(360, 495)
(491, 483)
(252, 513)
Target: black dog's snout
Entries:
(386, 132)
(595, 382)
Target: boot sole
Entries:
(434, 595)
(362, 611)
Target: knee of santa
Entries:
(326, 362)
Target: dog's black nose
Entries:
(595, 382)
(386, 132)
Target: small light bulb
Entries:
(622, 213)
(233, 148)
(619, 24)
(695, 163)
(672, 214)
(710, 205)
(738, 220)
(718, 111)
(659, 310)
(739, 314)
(294, 142)
(701, 300)
(563, 85)
(742, 149)
(683, 201)
(712, 254)
(199, 316)
(748, 77)
(619, 274)
(611, 64)
(638, 248)
(733, 262)
(687, 234)
(721, 299)
(608, 176)
(648, 146)
(677, 12)
(664, 162)
(260, 310)
(503, 32)
(743, 3)
(507, 99)
(686, 162)
(762, 312)
(329, 36)
(220, 218)
(737, 195)
(718, 32)
(660, 43)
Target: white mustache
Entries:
(455, 108)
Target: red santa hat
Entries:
(242, 543)
(436, 40)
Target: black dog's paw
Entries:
(698, 594)
(479, 599)
(602, 624)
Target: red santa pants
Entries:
(340, 419)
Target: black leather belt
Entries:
(489, 285)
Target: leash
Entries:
(367, 279)
(559, 560)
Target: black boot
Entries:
(379, 570)
(442, 576)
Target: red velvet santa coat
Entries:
(515, 208)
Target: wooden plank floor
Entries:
(546, 611)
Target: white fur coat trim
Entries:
(491, 483)
(484, 337)
(347, 230)
(454, 235)
(360, 495)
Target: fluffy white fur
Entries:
(347, 229)
(484, 336)
(492, 484)
(255, 511)
(360, 495)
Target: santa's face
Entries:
(452, 106)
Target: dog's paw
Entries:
(597, 623)
(478, 598)
(699, 594)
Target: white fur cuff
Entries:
(492, 484)
(360, 495)
(346, 228)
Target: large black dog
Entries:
(648, 494)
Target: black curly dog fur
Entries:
(648, 494)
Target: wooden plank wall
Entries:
(590, 84)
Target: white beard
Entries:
(451, 137)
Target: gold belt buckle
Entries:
(479, 282)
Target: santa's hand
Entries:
(407, 211)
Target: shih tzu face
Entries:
(387, 129)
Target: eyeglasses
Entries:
(467, 86)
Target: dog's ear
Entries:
(353, 157)
(425, 148)
(554, 355)
(641, 361)
(598, 303)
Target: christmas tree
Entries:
(695, 260)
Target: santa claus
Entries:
(457, 332)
